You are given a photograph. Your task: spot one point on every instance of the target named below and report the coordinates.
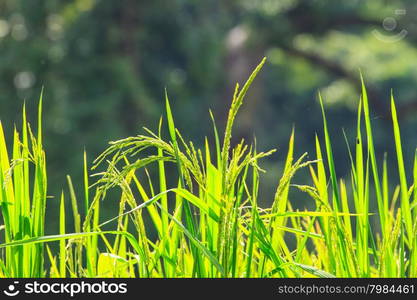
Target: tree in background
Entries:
(104, 66)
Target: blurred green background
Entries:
(104, 66)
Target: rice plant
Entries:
(204, 219)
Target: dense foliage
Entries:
(207, 221)
(104, 64)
